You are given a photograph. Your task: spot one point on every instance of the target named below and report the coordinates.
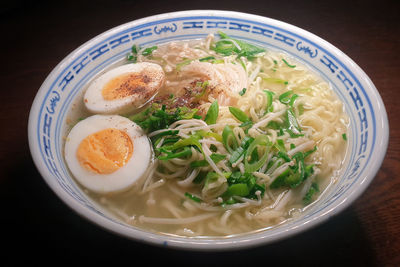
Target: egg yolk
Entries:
(105, 151)
(125, 85)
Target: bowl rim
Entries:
(209, 244)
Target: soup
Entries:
(234, 138)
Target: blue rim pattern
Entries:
(290, 42)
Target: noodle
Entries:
(292, 123)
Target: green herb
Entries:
(270, 96)
(307, 153)
(181, 154)
(191, 141)
(226, 46)
(252, 164)
(275, 125)
(134, 49)
(202, 163)
(275, 80)
(132, 56)
(240, 151)
(156, 118)
(242, 63)
(204, 59)
(283, 155)
(148, 51)
(308, 197)
(229, 139)
(344, 136)
(213, 176)
(244, 185)
(200, 177)
(242, 92)
(216, 136)
(293, 99)
(183, 63)
(285, 97)
(193, 197)
(295, 175)
(280, 145)
(212, 113)
(239, 114)
(229, 201)
(287, 64)
(291, 121)
(169, 132)
(203, 86)
(241, 190)
(280, 180)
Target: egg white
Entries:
(127, 175)
(95, 102)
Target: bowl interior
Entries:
(368, 130)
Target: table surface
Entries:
(36, 35)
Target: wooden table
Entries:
(36, 35)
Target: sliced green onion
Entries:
(236, 155)
(183, 63)
(280, 180)
(239, 114)
(344, 136)
(280, 145)
(293, 125)
(169, 132)
(212, 113)
(191, 141)
(285, 97)
(242, 92)
(275, 80)
(193, 197)
(229, 46)
(287, 64)
(200, 177)
(203, 133)
(241, 190)
(307, 153)
(206, 59)
(261, 140)
(308, 197)
(292, 99)
(270, 96)
(148, 51)
(229, 139)
(185, 152)
(135, 49)
(284, 156)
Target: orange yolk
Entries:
(105, 151)
(125, 85)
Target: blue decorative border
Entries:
(359, 159)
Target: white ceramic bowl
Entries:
(368, 133)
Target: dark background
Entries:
(37, 228)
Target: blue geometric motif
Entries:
(165, 28)
(73, 71)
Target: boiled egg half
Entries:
(124, 89)
(107, 153)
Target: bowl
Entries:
(367, 137)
